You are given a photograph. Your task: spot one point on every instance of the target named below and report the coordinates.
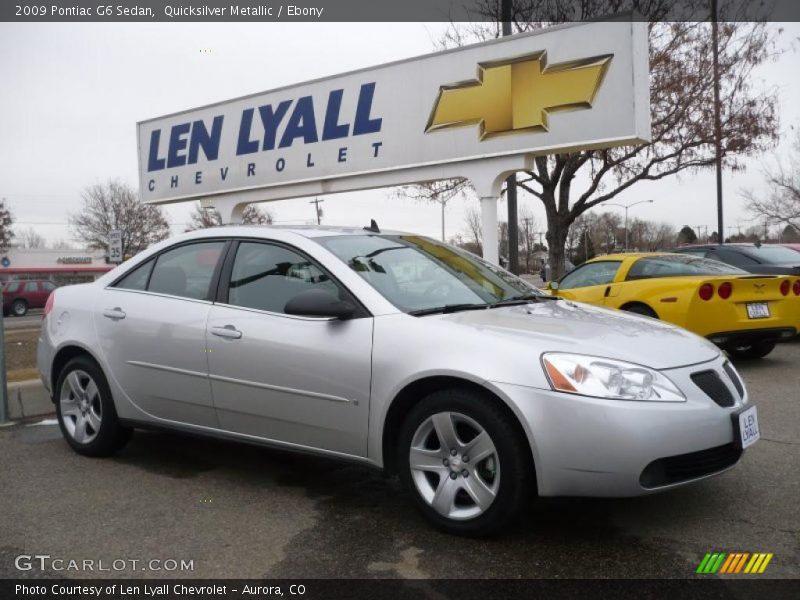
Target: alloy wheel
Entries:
(454, 465)
(81, 407)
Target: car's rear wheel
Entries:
(752, 351)
(465, 462)
(641, 309)
(19, 308)
(85, 409)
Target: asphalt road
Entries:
(243, 511)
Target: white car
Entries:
(398, 352)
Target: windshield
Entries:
(679, 265)
(416, 273)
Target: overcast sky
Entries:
(72, 94)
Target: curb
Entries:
(28, 399)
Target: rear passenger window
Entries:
(186, 270)
(31, 286)
(266, 277)
(137, 278)
(12, 287)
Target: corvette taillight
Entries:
(785, 285)
(48, 306)
(725, 290)
(706, 291)
(796, 288)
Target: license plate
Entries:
(745, 426)
(757, 310)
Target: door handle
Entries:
(114, 313)
(229, 331)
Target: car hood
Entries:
(566, 326)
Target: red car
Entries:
(19, 296)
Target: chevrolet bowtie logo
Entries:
(517, 95)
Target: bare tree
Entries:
(63, 245)
(472, 220)
(6, 221)
(781, 201)
(682, 107)
(204, 218)
(30, 238)
(115, 205)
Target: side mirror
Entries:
(319, 303)
(552, 285)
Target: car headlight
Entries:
(607, 378)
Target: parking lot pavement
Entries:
(243, 511)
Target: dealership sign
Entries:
(564, 88)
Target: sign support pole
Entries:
(3, 385)
(489, 229)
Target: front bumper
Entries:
(585, 446)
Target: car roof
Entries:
(308, 231)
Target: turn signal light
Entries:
(706, 291)
(796, 288)
(725, 290)
(785, 285)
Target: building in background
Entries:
(62, 267)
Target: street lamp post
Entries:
(626, 207)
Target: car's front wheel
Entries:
(465, 462)
(752, 351)
(85, 409)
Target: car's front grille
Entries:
(684, 467)
(714, 387)
(734, 378)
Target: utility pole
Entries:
(316, 202)
(511, 182)
(717, 117)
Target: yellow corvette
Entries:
(743, 313)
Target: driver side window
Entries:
(596, 273)
(266, 277)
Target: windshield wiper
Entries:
(447, 308)
(522, 299)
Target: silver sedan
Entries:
(395, 351)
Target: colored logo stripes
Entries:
(735, 562)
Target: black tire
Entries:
(641, 309)
(752, 351)
(516, 466)
(19, 308)
(112, 435)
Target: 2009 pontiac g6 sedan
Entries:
(396, 351)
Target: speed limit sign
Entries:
(115, 246)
